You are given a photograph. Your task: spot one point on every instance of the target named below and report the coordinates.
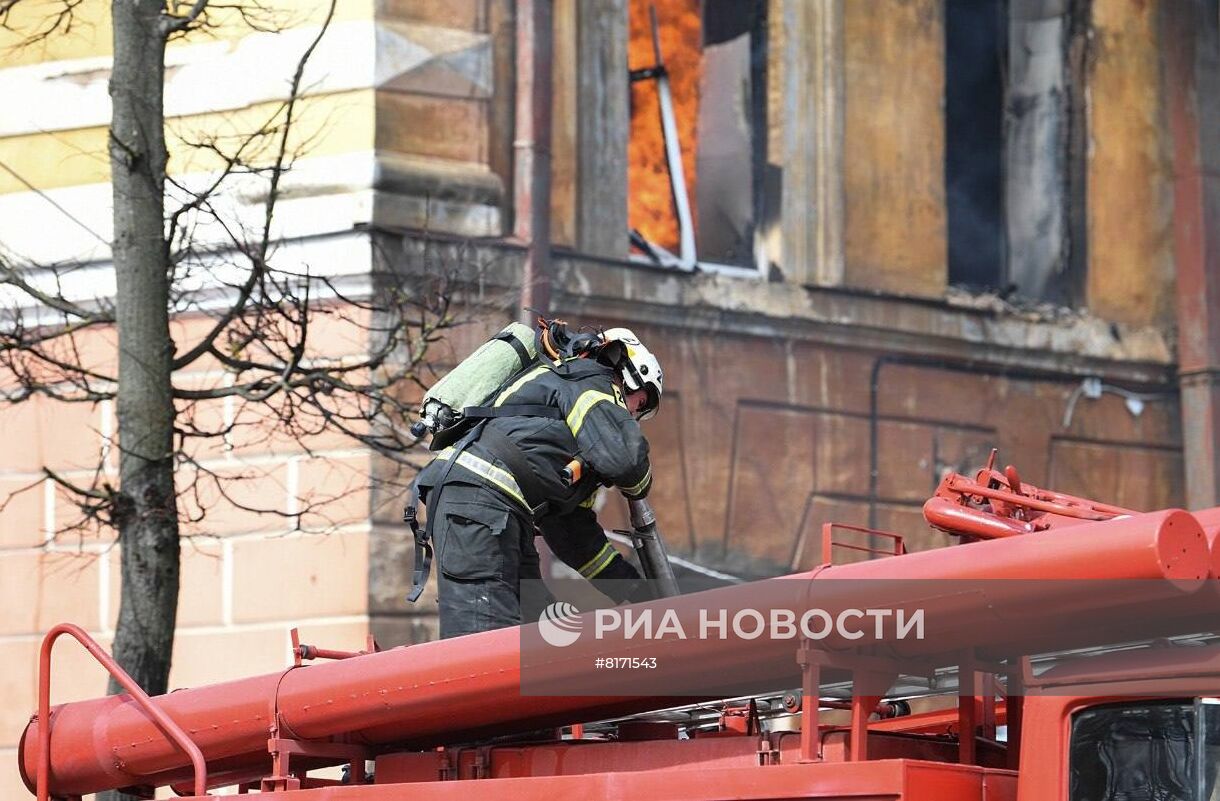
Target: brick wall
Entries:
(246, 579)
(761, 440)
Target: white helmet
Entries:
(639, 368)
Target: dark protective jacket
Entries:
(595, 426)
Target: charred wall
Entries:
(893, 152)
(764, 439)
(779, 405)
(1130, 169)
(784, 399)
(854, 179)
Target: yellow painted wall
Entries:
(893, 149)
(87, 32)
(1130, 211)
(331, 124)
(245, 619)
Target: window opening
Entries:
(697, 146)
(975, 54)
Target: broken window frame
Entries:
(1043, 205)
(688, 259)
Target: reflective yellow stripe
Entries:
(520, 382)
(598, 563)
(605, 564)
(587, 400)
(488, 471)
(588, 503)
(593, 561)
(638, 488)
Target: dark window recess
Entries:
(975, 54)
(731, 130)
(1156, 751)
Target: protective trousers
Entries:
(484, 550)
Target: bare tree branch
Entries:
(172, 23)
(13, 277)
(58, 21)
(262, 374)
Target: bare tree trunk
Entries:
(145, 511)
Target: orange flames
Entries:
(650, 206)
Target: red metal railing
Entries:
(995, 504)
(168, 727)
(829, 543)
(1054, 502)
(302, 652)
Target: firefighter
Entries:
(507, 483)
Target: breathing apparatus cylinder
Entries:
(476, 378)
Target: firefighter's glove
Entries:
(622, 583)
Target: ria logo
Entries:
(560, 624)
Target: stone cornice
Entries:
(1064, 344)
